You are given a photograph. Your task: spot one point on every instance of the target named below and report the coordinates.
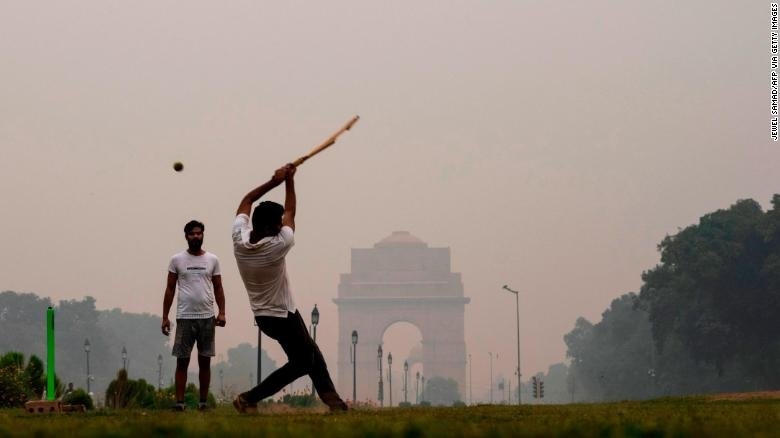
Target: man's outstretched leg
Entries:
(305, 355)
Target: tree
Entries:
(441, 392)
(716, 293)
(610, 359)
(20, 382)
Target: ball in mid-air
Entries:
(177, 166)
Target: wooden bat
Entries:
(326, 143)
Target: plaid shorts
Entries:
(191, 331)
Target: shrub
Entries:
(126, 393)
(299, 400)
(13, 392)
(19, 383)
(78, 397)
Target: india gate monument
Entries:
(400, 279)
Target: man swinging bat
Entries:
(260, 250)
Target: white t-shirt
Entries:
(263, 269)
(196, 290)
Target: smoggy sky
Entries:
(551, 145)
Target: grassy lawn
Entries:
(678, 417)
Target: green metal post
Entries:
(51, 392)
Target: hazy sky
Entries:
(550, 144)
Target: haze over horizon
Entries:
(550, 145)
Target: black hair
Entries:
(194, 224)
(267, 214)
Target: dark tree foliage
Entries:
(20, 383)
(717, 293)
(612, 359)
(441, 392)
(706, 319)
(126, 393)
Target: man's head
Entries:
(267, 218)
(193, 232)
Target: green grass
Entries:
(668, 417)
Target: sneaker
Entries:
(334, 402)
(243, 406)
(179, 407)
(339, 407)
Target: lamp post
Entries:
(159, 371)
(354, 365)
(417, 390)
(422, 394)
(315, 319)
(491, 376)
(470, 399)
(124, 358)
(380, 394)
(509, 390)
(221, 382)
(406, 380)
(87, 347)
(517, 302)
(390, 376)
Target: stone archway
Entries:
(400, 279)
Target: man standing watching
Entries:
(260, 252)
(197, 275)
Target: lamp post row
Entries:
(315, 316)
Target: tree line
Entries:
(706, 319)
(23, 328)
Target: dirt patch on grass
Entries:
(737, 396)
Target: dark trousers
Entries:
(303, 355)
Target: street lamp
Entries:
(221, 382)
(470, 399)
(380, 395)
(124, 358)
(417, 390)
(422, 394)
(517, 302)
(390, 376)
(315, 319)
(491, 376)
(354, 365)
(406, 379)
(87, 347)
(159, 371)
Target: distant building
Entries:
(401, 279)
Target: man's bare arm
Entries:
(250, 198)
(289, 198)
(219, 295)
(170, 289)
